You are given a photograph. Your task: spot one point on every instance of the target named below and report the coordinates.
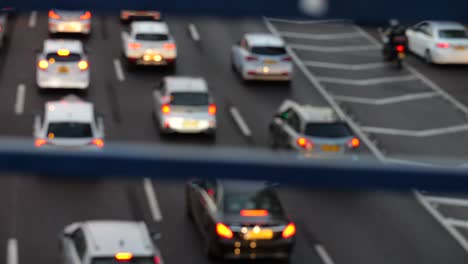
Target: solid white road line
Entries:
(12, 251)
(418, 133)
(333, 49)
(342, 66)
(323, 254)
(20, 97)
(240, 121)
(194, 32)
(366, 82)
(152, 200)
(308, 22)
(408, 162)
(447, 200)
(32, 19)
(289, 34)
(388, 100)
(118, 70)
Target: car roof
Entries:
(263, 39)
(108, 237)
(186, 84)
(446, 24)
(311, 113)
(70, 11)
(53, 45)
(70, 108)
(239, 186)
(150, 27)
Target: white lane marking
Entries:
(457, 223)
(12, 251)
(447, 200)
(408, 162)
(32, 19)
(366, 82)
(342, 66)
(333, 49)
(118, 70)
(388, 100)
(240, 121)
(418, 133)
(152, 200)
(194, 32)
(308, 22)
(324, 256)
(20, 98)
(289, 34)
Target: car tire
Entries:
(428, 57)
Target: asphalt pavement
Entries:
(399, 113)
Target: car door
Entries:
(241, 52)
(158, 95)
(417, 40)
(74, 247)
(288, 127)
(206, 204)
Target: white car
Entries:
(149, 43)
(62, 64)
(69, 123)
(439, 42)
(109, 242)
(184, 105)
(261, 56)
(67, 21)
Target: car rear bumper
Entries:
(449, 57)
(138, 60)
(56, 26)
(273, 75)
(241, 249)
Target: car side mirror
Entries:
(155, 235)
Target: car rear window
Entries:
(134, 260)
(268, 50)
(151, 37)
(453, 34)
(191, 99)
(328, 130)
(70, 58)
(262, 200)
(69, 130)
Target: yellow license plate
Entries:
(460, 47)
(264, 234)
(190, 124)
(269, 62)
(401, 55)
(63, 69)
(330, 148)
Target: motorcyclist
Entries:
(390, 35)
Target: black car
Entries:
(240, 219)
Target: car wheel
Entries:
(428, 57)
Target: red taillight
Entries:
(251, 58)
(224, 231)
(252, 73)
(157, 260)
(289, 231)
(40, 142)
(98, 142)
(86, 15)
(254, 212)
(354, 143)
(169, 46)
(134, 45)
(212, 109)
(443, 45)
(400, 48)
(165, 109)
(287, 59)
(53, 15)
(304, 143)
(210, 192)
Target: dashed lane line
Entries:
(20, 98)
(323, 254)
(366, 82)
(118, 70)
(299, 35)
(194, 32)
(12, 251)
(32, 19)
(152, 200)
(240, 121)
(417, 133)
(388, 100)
(338, 49)
(342, 66)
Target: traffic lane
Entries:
(342, 57)
(353, 39)
(385, 90)
(373, 227)
(8, 216)
(378, 71)
(319, 28)
(171, 196)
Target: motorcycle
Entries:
(394, 48)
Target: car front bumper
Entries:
(62, 82)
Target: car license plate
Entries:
(63, 69)
(460, 47)
(73, 27)
(263, 234)
(401, 55)
(269, 62)
(330, 148)
(190, 124)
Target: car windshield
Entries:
(264, 50)
(69, 130)
(328, 130)
(262, 200)
(151, 37)
(72, 57)
(453, 34)
(134, 260)
(189, 98)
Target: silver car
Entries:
(311, 130)
(62, 64)
(184, 105)
(67, 21)
(109, 242)
(69, 123)
(260, 56)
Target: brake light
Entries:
(224, 231)
(289, 231)
(134, 45)
(157, 260)
(43, 64)
(53, 15)
(443, 45)
(287, 59)
(254, 213)
(169, 46)
(210, 192)
(400, 48)
(123, 256)
(40, 142)
(251, 58)
(354, 143)
(165, 109)
(98, 142)
(304, 143)
(83, 65)
(86, 15)
(212, 109)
